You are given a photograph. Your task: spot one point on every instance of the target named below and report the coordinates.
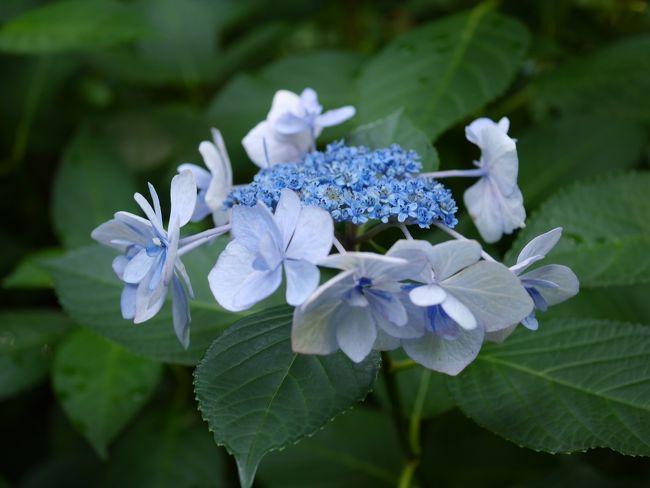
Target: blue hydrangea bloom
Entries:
(356, 184)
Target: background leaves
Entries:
(444, 70)
(101, 386)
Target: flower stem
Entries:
(397, 412)
(339, 247)
(461, 173)
(402, 365)
(461, 237)
(405, 231)
(366, 236)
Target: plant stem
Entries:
(366, 236)
(412, 455)
(462, 173)
(402, 364)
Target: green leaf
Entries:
(90, 292)
(444, 71)
(258, 396)
(358, 449)
(606, 230)
(166, 449)
(573, 385)
(71, 25)
(561, 151)
(396, 129)
(101, 386)
(26, 340)
(612, 81)
(31, 273)
(246, 99)
(88, 189)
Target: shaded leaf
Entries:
(72, 25)
(90, 186)
(444, 71)
(27, 338)
(358, 449)
(101, 386)
(612, 81)
(30, 272)
(573, 147)
(166, 449)
(258, 396)
(574, 384)
(396, 129)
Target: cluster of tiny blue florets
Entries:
(356, 184)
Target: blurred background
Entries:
(98, 97)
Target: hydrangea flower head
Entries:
(213, 185)
(356, 184)
(295, 238)
(357, 310)
(458, 300)
(495, 202)
(151, 259)
(291, 128)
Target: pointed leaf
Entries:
(27, 338)
(258, 396)
(574, 384)
(101, 385)
(445, 70)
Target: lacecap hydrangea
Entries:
(439, 303)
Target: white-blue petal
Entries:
(183, 197)
(286, 215)
(492, 293)
(427, 295)
(565, 279)
(180, 313)
(127, 301)
(201, 176)
(539, 246)
(443, 355)
(302, 280)
(249, 224)
(336, 116)
(313, 236)
(356, 331)
(138, 267)
(458, 312)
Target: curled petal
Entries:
(356, 331)
(302, 280)
(183, 197)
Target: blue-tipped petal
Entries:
(356, 331)
(127, 301)
(180, 313)
(302, 280)
(138, 267)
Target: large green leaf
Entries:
(444, 71)
(573, 147)
(396, 129)
(258, 396)
(89, 188)
(90, 292)
(72, 25)
(612, 80)
(170, 448)
(101, 386)
(358, 449)
(26, 340)
(606, 230)
(573, 385)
